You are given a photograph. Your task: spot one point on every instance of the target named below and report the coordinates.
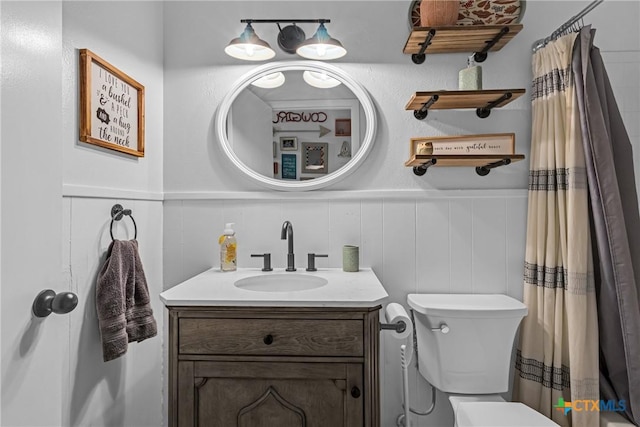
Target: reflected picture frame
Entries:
(289, 168)
(288, 143)
(315, 157)
(343, 127)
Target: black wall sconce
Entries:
(291, 39)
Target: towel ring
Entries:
(117, 212)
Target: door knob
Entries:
(48, 302)
(268, 339)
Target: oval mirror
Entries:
(297, 125)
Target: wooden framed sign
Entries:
(111, 106)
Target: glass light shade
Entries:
(270, 81)
(249, 47)
(321, 46)
(320, 80)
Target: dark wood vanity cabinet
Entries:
(273, 367)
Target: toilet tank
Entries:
(474, 356)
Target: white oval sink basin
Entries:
(288, 282)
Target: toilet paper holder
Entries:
(399, 326)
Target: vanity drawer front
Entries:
(271, 337)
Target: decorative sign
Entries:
(111, 106)
(497, 143)
(289, 166)
(300, 116)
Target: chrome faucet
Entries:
(287, 233)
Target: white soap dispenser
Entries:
(228, 248)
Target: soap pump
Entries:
(228, 245)
(470, 78)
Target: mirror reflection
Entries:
(296, 125)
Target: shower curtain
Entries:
(616, 227)
(557, 355)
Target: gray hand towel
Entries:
(122, 300)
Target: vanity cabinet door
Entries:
(270, 394)
(274, 367)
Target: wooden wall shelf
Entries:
(482, 162)
(459, 38)
(482, 100)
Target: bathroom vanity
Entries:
(253, 348)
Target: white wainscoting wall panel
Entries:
(127, 391)
(414, 244)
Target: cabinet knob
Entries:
(355, 392)
(268, 339)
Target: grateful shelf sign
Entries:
(111, 106)
(497, 143)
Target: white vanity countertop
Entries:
(216, 288)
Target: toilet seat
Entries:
(499, 414)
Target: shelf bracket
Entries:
(484, 170)
(483, 112)
(422, 113)
(422, 169)
(418, 58)
(482, 55)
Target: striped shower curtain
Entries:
(557, 355)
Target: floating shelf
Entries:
(482, 100)
(479, 39)
(482, 162)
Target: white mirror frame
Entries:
(357, 158)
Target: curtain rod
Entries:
(562, 28)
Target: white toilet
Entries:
(464, 345)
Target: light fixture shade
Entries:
(321, 46)
(270, 81)
(320, 80)
(249, 47)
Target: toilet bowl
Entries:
(464, 347)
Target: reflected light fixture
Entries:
(320, 80)
(249, 46)
(270, 81)
(291, 39)
(321, 46)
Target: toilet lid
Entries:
(499, 414)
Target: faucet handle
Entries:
(311, 260)
(266, 266)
